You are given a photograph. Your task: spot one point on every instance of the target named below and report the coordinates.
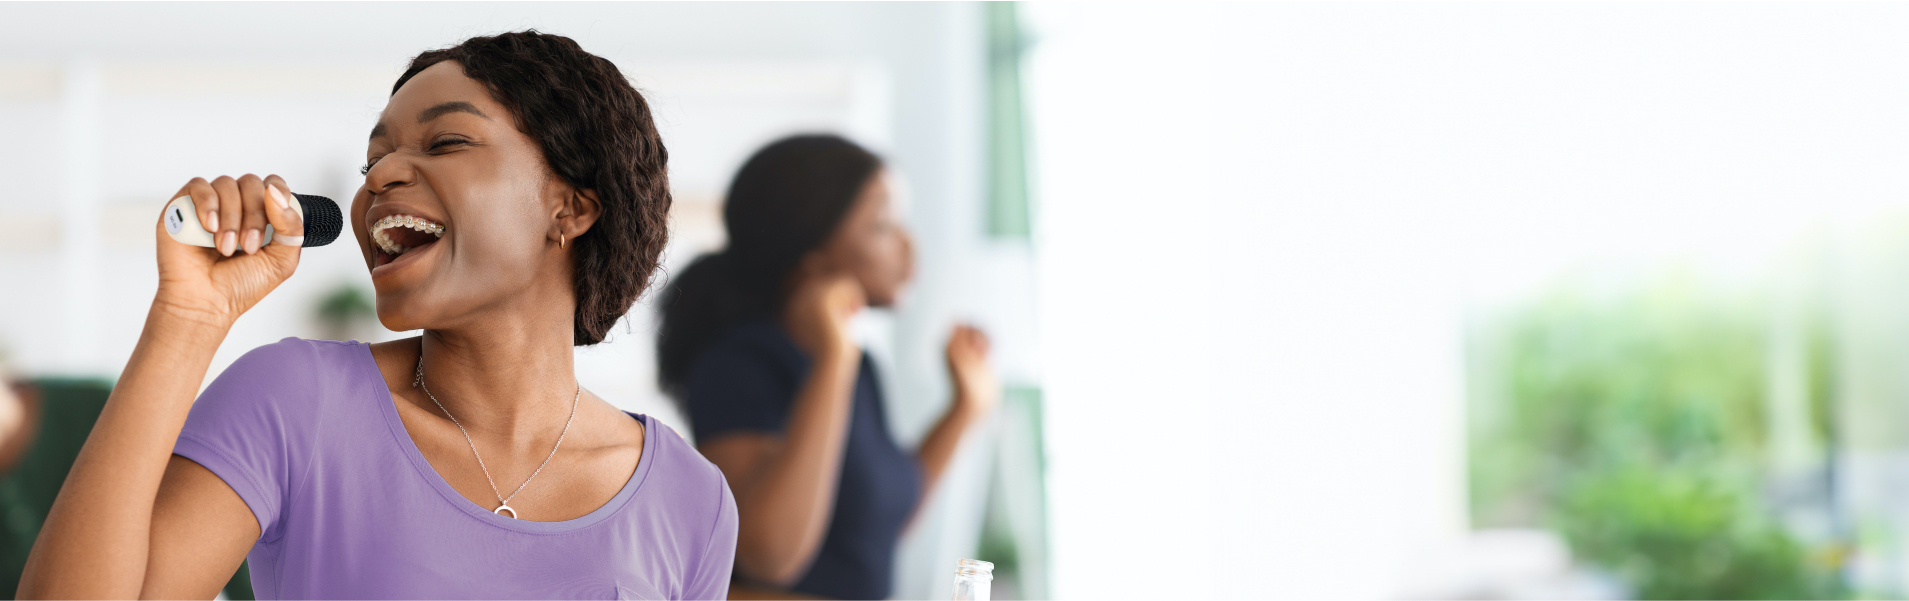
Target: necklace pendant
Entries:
(503, 508)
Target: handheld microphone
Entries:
(323, 222)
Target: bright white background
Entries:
(1261, 226)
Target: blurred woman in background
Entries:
(755, 343)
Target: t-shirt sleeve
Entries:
(711, 579)
(732, 389)
(242, 427)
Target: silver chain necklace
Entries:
(503, 502)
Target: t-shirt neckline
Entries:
(402, 438)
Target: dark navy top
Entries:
(747, 382)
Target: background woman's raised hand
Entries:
(216, 285)
(819, 310)
(975, 387)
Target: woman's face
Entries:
(872, 245)
(458, 210)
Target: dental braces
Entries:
(385, 242)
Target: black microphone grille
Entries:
(323, 220)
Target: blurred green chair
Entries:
(67, 408)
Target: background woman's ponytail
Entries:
(699, 303)
(785, 201)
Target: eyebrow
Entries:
(455, 106)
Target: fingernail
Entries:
(212, 222)
(252, 241)
(278, 198)
(228, 242)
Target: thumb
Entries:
(285, 221)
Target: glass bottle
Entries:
(972, 577)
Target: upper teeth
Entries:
(385, 243)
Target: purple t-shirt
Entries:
(306, 432)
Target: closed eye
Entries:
(445, 142)
(436, 145)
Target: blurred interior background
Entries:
(1360, 300)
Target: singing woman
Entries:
(513, 207)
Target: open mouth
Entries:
(398, 235)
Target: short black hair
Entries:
(596, 133)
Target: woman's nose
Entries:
(387, 173)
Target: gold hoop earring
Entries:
(560, 240)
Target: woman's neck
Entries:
(508, 380)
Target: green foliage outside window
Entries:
(1633, 421)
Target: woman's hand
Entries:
(130, 521)
(976, 392)
(975, 388)
(818, 314)
(215, 286)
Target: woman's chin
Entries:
(404, 310)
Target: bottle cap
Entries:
(974, 567)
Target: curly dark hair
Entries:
(597, 134)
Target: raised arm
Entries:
(132, 520)
(785, 485)
(975, 394)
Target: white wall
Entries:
(1252, 370)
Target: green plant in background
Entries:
(1683, 534)
(1632, 420)
(339, 311)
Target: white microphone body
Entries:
(182, 223)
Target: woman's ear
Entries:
(576, 214)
